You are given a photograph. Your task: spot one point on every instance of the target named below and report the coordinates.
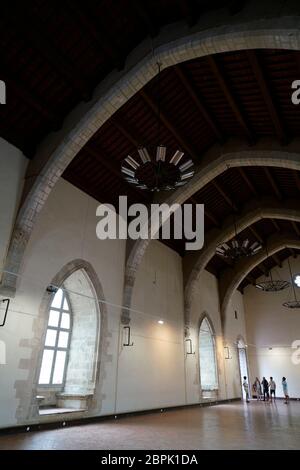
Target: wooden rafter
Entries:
(142, 11)
(269, 100)
(100, 42)
(225, 195)
(248, 181)
(219, 75)
(296, 228)
(273, 183)
(35, 35)
(31, 99)
(275, 224)
(110, 164)
(167, 123)
(207, 212)
(297, 178)
(190, 89)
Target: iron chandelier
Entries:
(272, 285)
(236, 249)
(295, 303)
(155, 167)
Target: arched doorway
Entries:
(243, 364)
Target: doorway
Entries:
(243, 364)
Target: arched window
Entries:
(207, 355)
(57, 341)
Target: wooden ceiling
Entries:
(244, 94)
(53, 54)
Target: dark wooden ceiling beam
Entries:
(167, 123)
(35, 36)
(225, 195)
(293, 253)
(205, 114)
(219, 75)
(297, 178)
(143, 13)
(256, 234)
(275, 224)
(100, 155)
(123, 129)
(296, 228)
(273, 183)
(248, 181)
(277, 260)
(269, 100)
(208, 213)
(100, 41)
(190, 11)
(31, 99)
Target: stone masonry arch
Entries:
(174, 45)
(231, 278)
(194, 264)
(216, 161)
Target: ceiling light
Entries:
(297, 280)
(295, 303)
(176, 157)
(161, 322)
(235, 248)
(161, 153)
(154, 167)
(272, 285)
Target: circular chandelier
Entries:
(295, 303)
(236, 249)
(157, 169)
(154, 167)
(273, 285)
(297, 280)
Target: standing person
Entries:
(285, 390)
(272, 386)
(257, 388)
(265, 387)
(246, 388)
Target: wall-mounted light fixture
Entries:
(52, 289)
(128, 343)
(7, 301)
(161, 322)
(227, 356)
(190, 348)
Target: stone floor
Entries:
(229, 426)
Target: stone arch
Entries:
(252, 33)
(27, 390)
(253, 212)
(216, 161)
(231, 278)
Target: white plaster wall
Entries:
(12, 170)
(65, 231)
(151, 373)
(270, 325)
(155, 372)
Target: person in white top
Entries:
(272, 386)
(246, 388)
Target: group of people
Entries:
(266, 390)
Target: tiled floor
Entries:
(230, 426)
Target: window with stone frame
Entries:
(207, 357)
(57, 342)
